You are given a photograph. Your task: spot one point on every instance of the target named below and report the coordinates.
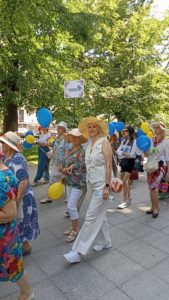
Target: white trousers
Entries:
(95, 221)
(73, 195)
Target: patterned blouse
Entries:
(78, 177)
(60, 145)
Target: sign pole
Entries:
(74, 89)
(74, 112)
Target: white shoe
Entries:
(45, 200)
(33, 183)
(99, 248)
(122, 205)
(72, 257)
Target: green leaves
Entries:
(115, 46)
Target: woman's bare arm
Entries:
(8, 212)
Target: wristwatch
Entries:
(107, 185)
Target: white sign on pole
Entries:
(74, 88)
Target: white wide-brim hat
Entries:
(75, 132)
(63, 124)
(12, 140)
(160, 125)
(89, 120)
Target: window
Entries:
(21, 115)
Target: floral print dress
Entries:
(11, 260)
(28, 225)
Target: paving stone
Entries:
(146, 286)
(136, 228)
(158, 223)
(115, 294)
(119, 237)
(81, 281)
(44, 290)
(51, 260)
(143, 253)
(115, 266)
(161, 270)
(159, 240)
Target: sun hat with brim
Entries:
(63, 124)
(93, 120)
(159, 125)
(12, 140)
(76, 133)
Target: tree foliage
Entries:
(117, 46)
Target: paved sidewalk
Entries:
(136, 267)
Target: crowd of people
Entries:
(84, 159)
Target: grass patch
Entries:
(31, 155)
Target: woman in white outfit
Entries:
(99, 170)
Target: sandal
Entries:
(67, 231)
(72, 236)
(30, 296)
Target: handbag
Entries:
(151, 166)
(49, 154)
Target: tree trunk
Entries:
(10, 122)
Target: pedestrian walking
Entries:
(60, 146)
(158, 161)
(27, 210)
(74, 171)
(43, 160)
(99, 171)
(11, 259)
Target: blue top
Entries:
(60, 145)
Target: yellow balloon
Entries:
(150, 134)
(51, 140)
(30, 139)
(145, 127)
(55, 191)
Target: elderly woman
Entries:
(43, 160)
(59, 147)
(99, 171)
(159, 152)
(74, 171)
(11, 260)
(27, 210)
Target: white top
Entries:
(43, 139)
(133, 150)
(162, 151)
(0, 147)
(95, 162)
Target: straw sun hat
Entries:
(160, 125)
(12, 140)
(100, 122)
(76, 133)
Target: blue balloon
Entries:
(119, 126)
(44, 117)
(26, 145)
(143, 143)
(30, 132)
(140, 132)
(111, 129)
